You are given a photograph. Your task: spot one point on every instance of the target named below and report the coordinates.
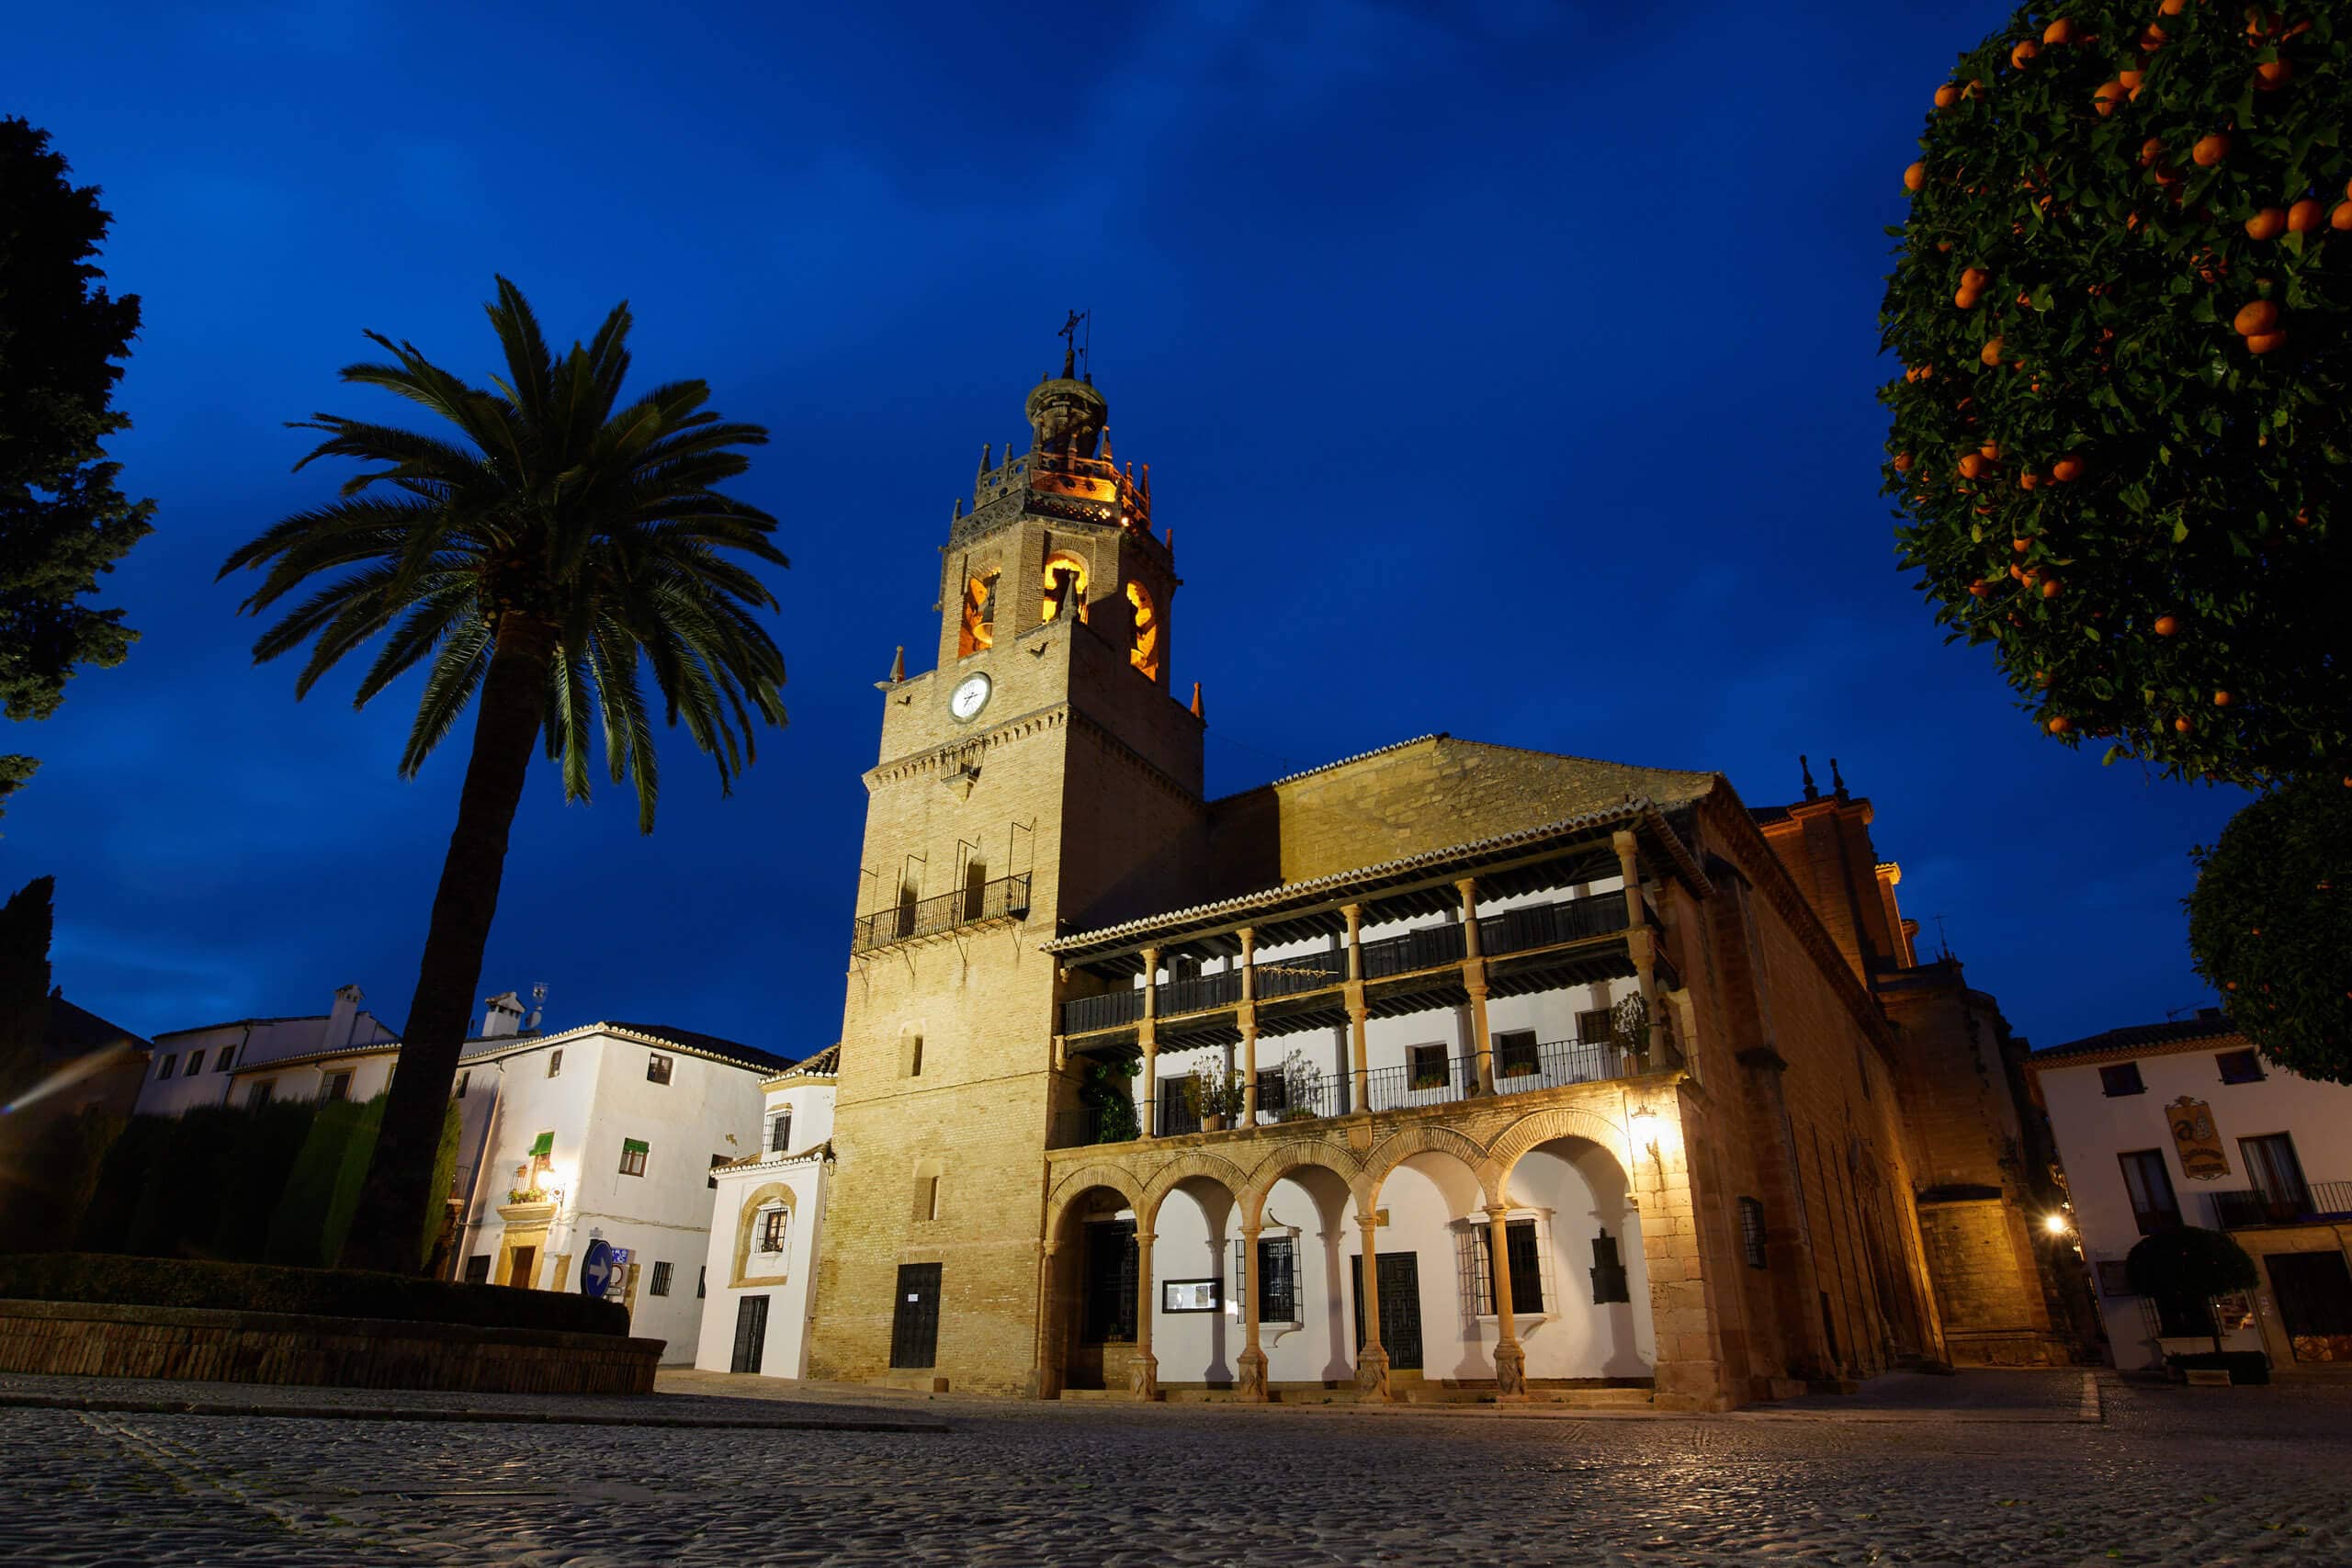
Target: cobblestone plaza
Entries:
(1990, 1468)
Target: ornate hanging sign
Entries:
(2203, 1158)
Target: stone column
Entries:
(1511, 1359)
(1352, 993)
(1641, 942)
(1143, 1373)
(1372, 1361)
(1247, 1019)
(1252, 1364)
(1049, 1381)
(1473, 980)
(1148, 1036)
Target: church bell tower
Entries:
(1038, 775)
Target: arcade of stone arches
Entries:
(1229, 1266)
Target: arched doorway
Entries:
(1306, 1233)
(1430, 1204)
(1193, 1296)
(1581, 1297)
(1092, 1293)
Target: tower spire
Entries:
(1811, 790)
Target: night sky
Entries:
(1505, 369)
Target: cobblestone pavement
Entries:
(1978, 1472)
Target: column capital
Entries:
(1367, 1221)
(1252, 1231)
(1498, 1211)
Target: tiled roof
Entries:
(2182, 1032)
(1376, 751)
(690, 1041)
(825, 1064)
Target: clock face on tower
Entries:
(971, 694)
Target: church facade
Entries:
(1452, 1070)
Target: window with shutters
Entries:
(1515, 1054)
(633, 1152)
(165, 1067)
(661, 1278)
(658, 1068)
(1592, 1026)
(262, 1092)
(1277, 1280)
(477, 1268)
(2121, 1079)
(337, 1086)
(2239, 1067)
(774, 1225)
(1425, 1065)
(1524, 1247)
(227, 1059)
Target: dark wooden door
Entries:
(519, 1266)
(914, 1324)
(1400, 1308)
(751, 1334)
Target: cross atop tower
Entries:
(1075, 349)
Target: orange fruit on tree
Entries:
(1966, 298)
(2273, 74)
(2060, 725)
(2130, 79)
(1915, 176)
(1981, 589)
(2262, 342)
(2067, 469)
(2152, 39)
(1974, 278)
(2221, 699)
(2182, 724)
(1946, 95)
(2254, 317)
(2211, 150)
(2165, 626)
(1902, 462)
(2108, 95)
(1973, 465)
(1991, 449)
(2059, 32)
(2027, 479)
(2305, 216)
(2151, 150)
(2172, 8)
(2267, 224)
(1991, 352)
(2342, 217)
(2020, 546)
(2023, 52)
(2050, 589)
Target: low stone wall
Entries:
(90, 1339)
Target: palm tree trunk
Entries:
(389, 1230)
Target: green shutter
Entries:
(633, 1146)
(543, 1144)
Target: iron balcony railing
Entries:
(1509, 932)
(2313, 1201)
(1295, 1096)
(1006, 897)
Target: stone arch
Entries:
(1084, 1180)
(1197, 1162)
(1280, 1162)
(747, 1214)
(1555, 1121)
(1426, 1137)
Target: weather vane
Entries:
(1078, 345)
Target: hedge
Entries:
(116, 1280)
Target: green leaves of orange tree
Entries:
(2108, 470)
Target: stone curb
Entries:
(392, 1413)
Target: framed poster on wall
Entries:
(1191, 1295)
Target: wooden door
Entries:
(521, 1263)
(751, 1334)
(914, 1322)
(1400, 1308)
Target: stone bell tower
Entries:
(1040, 772)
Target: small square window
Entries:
(263, 1092)
(633, 1155)
(774, 1226)
(164, 1068)
(1515, 1054)
(780, 1132)
(1592, 1026)
(661, 1278)
(555, 1063)
(226, 1060)
(1426, 1067)
(194, 1063)
(336, 1086)
(657, 1070)
(2239, 1067)
(2122, 1079)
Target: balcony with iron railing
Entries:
(2314, 1202)
(1007, 897)
(1287, 1094)
(1389, 962)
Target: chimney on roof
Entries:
(343, 1021)
(504, 1017)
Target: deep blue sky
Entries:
(1505, 369)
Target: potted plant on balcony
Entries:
(1217, 1092)
(1299, 1086)
(1629, 1031)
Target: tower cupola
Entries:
(1067, 415)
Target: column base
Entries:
(1249, 1376)
(1371, 1372)
(1143, 1376)
(1510, 1368)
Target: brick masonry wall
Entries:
(91, 1339)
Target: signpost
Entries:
(603, 1267)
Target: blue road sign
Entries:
(597, 1269)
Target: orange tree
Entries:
(2120, 439)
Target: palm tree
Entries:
(534, 562)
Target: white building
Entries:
(199, 1067)
(764, 1224)
(610, 1133)
(2183, 1124)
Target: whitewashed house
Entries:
(220, 1063)
(609, 1133)
(2183, 1124)
(765, 1223)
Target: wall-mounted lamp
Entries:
(2054, 1223)
(1644, 1124)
